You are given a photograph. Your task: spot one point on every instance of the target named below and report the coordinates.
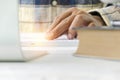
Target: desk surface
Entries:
(61, 66)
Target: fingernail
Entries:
(70, 36)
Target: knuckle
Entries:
(81, 16)
(81, 12)
(73, 9)
(77, 12)
(67, 21)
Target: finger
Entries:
(78, 21)
(92, 24)
(61, 28)
(77, 12)
(58, 19)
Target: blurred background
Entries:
(37, 15)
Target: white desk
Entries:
(61, 66)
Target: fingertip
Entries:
(71, 33)
(70, 36)
(47, 32)
(49, 36)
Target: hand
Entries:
(71, 18)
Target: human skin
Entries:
(70, 19)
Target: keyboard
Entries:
(38, 40)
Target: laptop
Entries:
(10, 47)
(25, 46)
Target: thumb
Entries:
(91, 24)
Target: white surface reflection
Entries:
(37, 41)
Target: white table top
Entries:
(61, 66)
